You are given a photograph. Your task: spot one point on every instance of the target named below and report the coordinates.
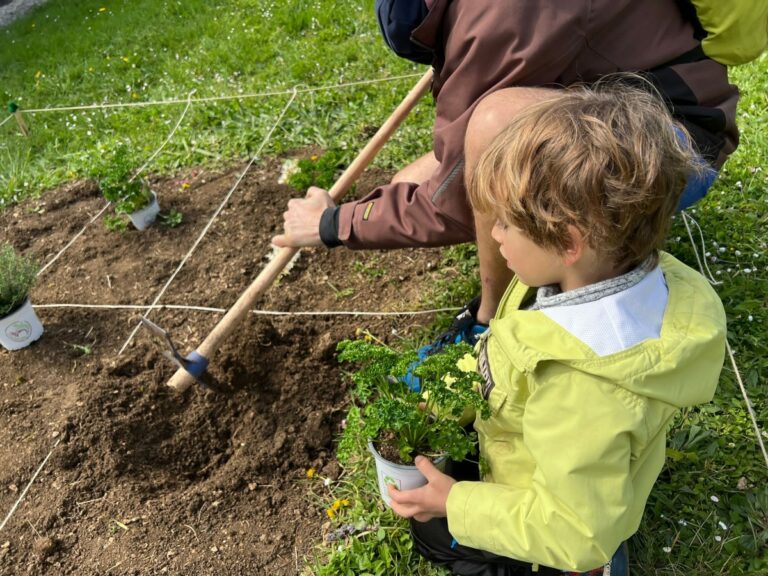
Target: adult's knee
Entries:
(494, 113)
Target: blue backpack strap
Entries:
(397, 19)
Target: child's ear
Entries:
(576, 246)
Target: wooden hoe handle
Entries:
(182, 379)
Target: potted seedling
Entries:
(400, 423)
(19, 325)
(128, 194)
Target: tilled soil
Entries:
(142, 479)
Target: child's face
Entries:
(534, 265)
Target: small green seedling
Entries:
(172, 218)
(84, 349)
(321, 171)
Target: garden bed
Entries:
(142, 480)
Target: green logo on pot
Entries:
(389, 480)
(19, 331)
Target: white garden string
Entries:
(745, 395)
(257, 312)
(210, 222)
(217, 98)
(108, 204)
(72, 241)
(747, 401)
(703, 257)
(29, 484)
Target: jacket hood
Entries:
(691, 341)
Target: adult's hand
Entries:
(426, 502)
(302, 219)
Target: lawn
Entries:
(709, 512)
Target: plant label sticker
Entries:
(18, 331)
(389, 480)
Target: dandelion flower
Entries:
(331, 513)
(311, 473)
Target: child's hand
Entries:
(426, 502)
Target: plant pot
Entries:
(403, 476)
(144, 218)
(20, 328)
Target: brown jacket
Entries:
(484, 45)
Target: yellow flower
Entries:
(311, 473)
(38, 74)
(330, 512)
(134, 95)
(102, 9)
(184, 186)
(124, 58)
(448, 379)
(313, 157)
(345, 502)
(467, 363)
(90, 68)
(336, 505)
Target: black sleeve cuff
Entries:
(329, 227)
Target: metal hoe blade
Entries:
(195, 364)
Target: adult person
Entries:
(492, 59)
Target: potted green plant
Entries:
(401, 423)
(19, 325)
(131, 196)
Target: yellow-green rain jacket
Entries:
(575, 441)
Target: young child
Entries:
(596, 344)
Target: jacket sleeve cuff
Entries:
(456, 508)
(329, 227)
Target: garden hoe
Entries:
(192, 368)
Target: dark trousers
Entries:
(435, 543)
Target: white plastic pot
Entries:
(402, 476)
(20, 328)
(142, 219)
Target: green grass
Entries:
(142, 51)
(68, 53)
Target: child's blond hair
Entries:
(608, 160)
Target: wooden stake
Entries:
(14, 109)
